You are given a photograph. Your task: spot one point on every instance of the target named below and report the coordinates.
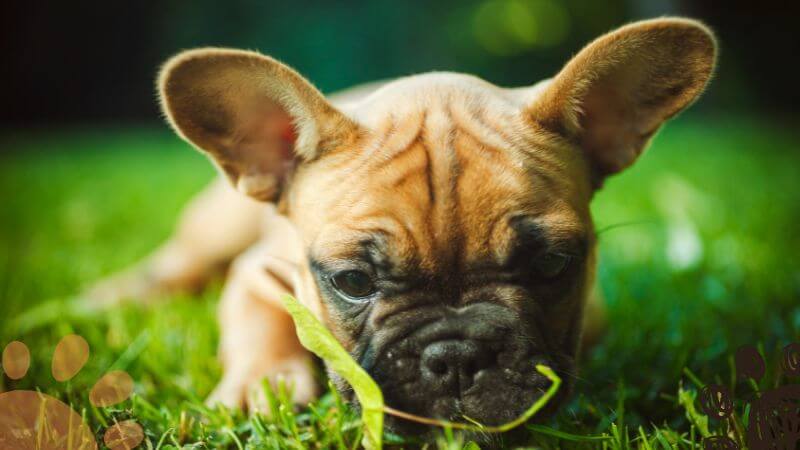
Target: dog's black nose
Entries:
(451, 365)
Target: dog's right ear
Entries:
(614, 94)
(255, 117)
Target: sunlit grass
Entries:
(699, 254)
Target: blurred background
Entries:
(95, 61)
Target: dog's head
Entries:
(445, 220)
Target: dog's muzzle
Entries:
(478, 362)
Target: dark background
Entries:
(67, 63)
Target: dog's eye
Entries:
(551, 265)
(353, 283)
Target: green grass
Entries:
(699, 254)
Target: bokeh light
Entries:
(507, 27)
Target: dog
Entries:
(439, 225)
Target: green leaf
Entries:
(315, 337)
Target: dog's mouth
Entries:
(490, 396)
(450, 371)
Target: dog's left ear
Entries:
(255, 117)
(613, 95)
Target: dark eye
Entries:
(551, 265)
(353, 283)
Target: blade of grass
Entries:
(566, 436)
(315, 337)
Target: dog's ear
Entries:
(615, 93)
(255, 117)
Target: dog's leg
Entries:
(217, 225)
(258, 337)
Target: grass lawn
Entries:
(699, 255)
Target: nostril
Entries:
(451, 364)
(437, 366)
(437, 358)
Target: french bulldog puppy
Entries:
(438, 224)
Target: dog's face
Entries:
(451, 249)
(445, 220)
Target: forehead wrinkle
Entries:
(513, 154)
(390, 138)
(406, 167)
(528, 146)
(394, 136)
(473, 122)
(402, 187)
(406, 131)
(483, 203)
(406, 203)
(437, 136)
(421, 179)
(552, 158)
(553, 165)
(443, 175)
(380, 136)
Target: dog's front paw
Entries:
(228, 393)
(296, 375)
(236, 391)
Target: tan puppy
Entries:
(438, 224)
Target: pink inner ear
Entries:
(274, 136)
(289, 137)
(263, 153)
